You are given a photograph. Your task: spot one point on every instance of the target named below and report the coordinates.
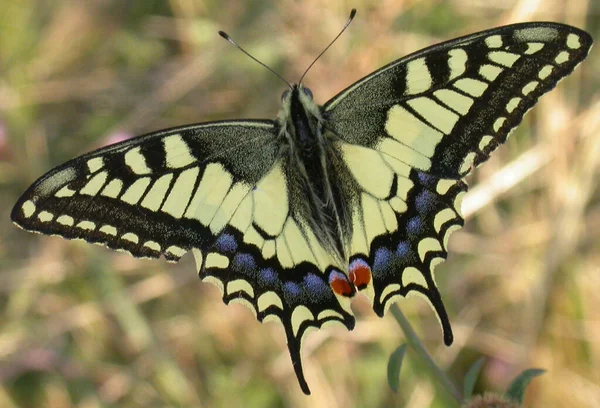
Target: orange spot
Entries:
(341, 286)
(360, 274)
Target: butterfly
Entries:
(293, 217)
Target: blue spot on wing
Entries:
(425, 201)
(316, 288)
(292, 293)
(226, 243)
(403, 249)
(414, 226)
(381, 261)
(268, 278)
(427, 179)
(244, 263)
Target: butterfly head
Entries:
(287, 94)
(297, 92)
(300, 117)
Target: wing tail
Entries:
(398, 258)
(298, 295)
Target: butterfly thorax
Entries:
(314, 185)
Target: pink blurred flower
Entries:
(4, 150)
(116, 137)
(499, 371)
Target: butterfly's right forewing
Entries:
(160, 194)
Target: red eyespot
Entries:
(340, 284)
(360, 273)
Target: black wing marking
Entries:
(422, 123)
(401, 221)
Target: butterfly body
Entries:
(294, 216)
(315, 172)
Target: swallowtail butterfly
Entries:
(294, 216)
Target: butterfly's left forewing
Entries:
(412, 130)
(445, 108)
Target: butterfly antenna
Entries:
(352, 14)
(228, 38)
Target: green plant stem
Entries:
(412, 338)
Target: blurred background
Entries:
(81, 326)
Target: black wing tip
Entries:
(448, 337)
(588, 40)
(294, 350)
(301, 380)
(15, 215)
(224, 35)
(440, 310)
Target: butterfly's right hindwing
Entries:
(268, 258)
(220, 190)
(160, 194)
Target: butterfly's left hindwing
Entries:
(401, 223)
(412, 130)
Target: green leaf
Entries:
(394, 366)
(471, 377)
(516, 390)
